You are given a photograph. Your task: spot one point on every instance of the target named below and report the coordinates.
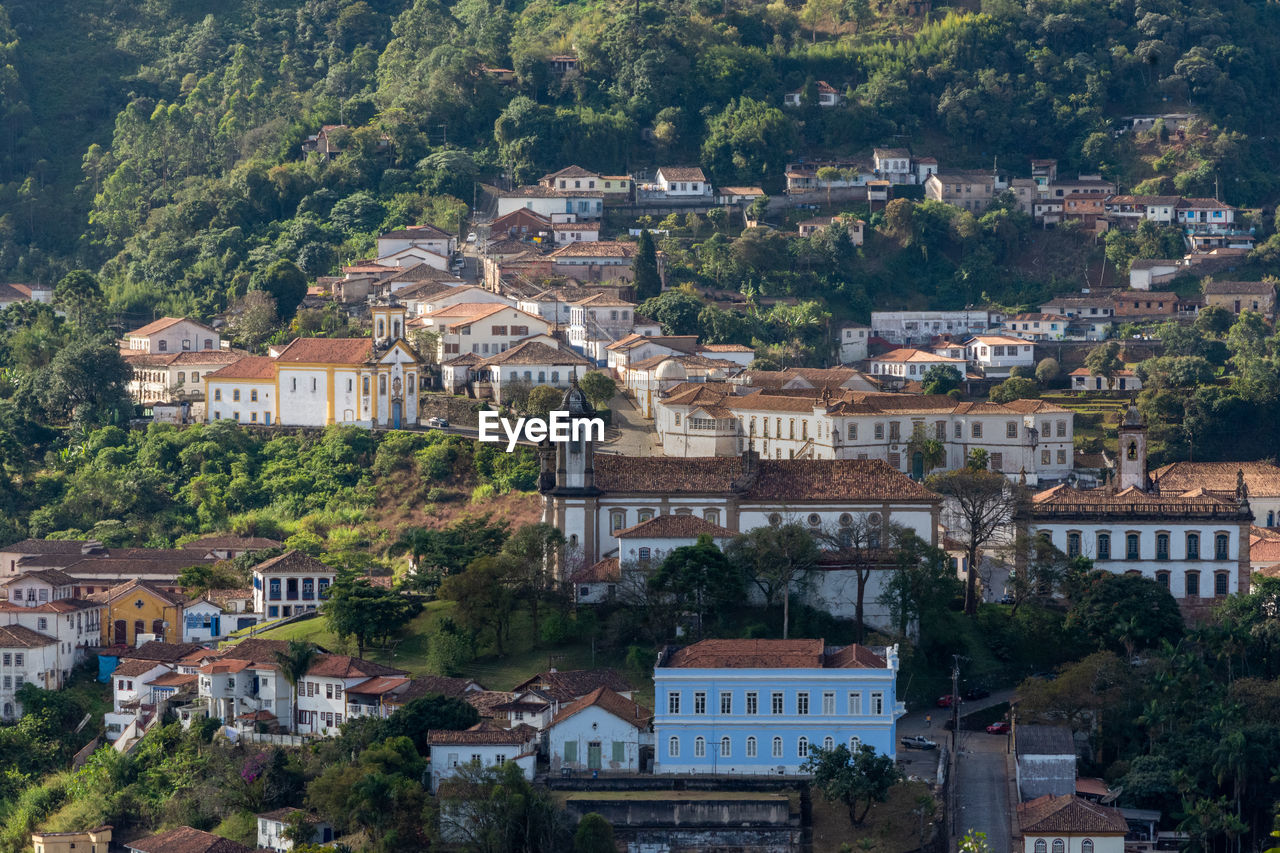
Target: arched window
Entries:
(725, 747)
(1086, 846)
(1059, 846)
(1193, 546)
(777, 747)
(1073, 544)
(802, 747)
(617, 519)
(699, 747)
(855, 743)
(673, 747)
(828, 743)
(379, 327)
(1162, 546)
(1133, 454)
(644, 515)
(712, 516)
(1041, 847)
(751, 747)
(1104, 546)
(684, 510)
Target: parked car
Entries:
(471, 238)
(459, 263)
(1000, 728)
(976, 693)
(947, 701)
(437, 422)
(1007, 599)
(918, 742)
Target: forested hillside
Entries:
(158, 142)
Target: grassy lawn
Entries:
(890, 827)
(522, 659)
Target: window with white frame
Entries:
(753, 700)
(802, 747)
(673, 747)
(699, 702)
(877, 703)
(751, 747)
(726, 703)
(829, 704)
(673, 703)
(699, 747)
(855, 704)
(777, 747)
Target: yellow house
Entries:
(139, 607)
(96, 840)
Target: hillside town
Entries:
(919, 483)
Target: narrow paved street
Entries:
(982, 789)
(631, 434)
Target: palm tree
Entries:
(295, 662)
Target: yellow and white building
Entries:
(364, 382)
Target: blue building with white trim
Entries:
(757, 706)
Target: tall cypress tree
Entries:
(647, 281)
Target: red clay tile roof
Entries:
(251, 367)
(226, 665)
(327, 351)
(254, 649)
(595, 249)
(771, 654)
(774, 479)
(379, 685)
(1262, 478)
(674, 527)
(238, 543)
(1069, 815)
(49, 546)
(1231, 288)
(135, 587)
(160, 325)
(184, 839)
(683, 173)
(604, 571)
(609, 701)
(173, 679)
(293, 561)
(133, 668)
(287, 812)
(345, 666)
(485, 700)
(724, 348)
(53, 577)
(536, 352)
(1131, 502)
(913, 355)
(417, 232)
(155, 650)
(567, 685)
(482, 734)
(454, 688)
(19, 637)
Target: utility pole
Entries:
(955, 737)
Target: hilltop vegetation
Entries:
(160, 144)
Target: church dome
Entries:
(672, 370)
(575, 401)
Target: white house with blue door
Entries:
(759, 706)
(290, 584)
(202, 622)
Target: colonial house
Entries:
(162, 377)
(595, 260)
(322, 705)
(96, 840)
(171, 334)
(1193, 543)
(597, 321)
(637, 347)
(272, 825)
(419, 303)
(75, 623)
(435, 240)
(482, 745)
(1030, 436)
(1083, 379)
(646, 381)
(907, 365)
(995, 356)
(290, 584)
(228, 547)
(908, 327)
(555, 304)
(828, 96)
(973, 191)
(479, 328)
(1037, 326)
(1237, 296)
(1146, 273)
(758, 706)
(683, 181)
(651, 539)
(202, 621)
(1138, 303)
(1128, 211)
(320, 381)
(599, 581)
(572, 178)
(601, 731)
(738, 196)
(28, 657)
(548, 202)
(1069, 824)
(1082, 307)
(574, 232)
(529, 363)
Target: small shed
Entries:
(1046, 761)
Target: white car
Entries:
(471, 238)
(437, 422)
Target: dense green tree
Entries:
(747, 142)
(284, 283)
(594, 835)
(646, 280)
(360, 609)
(1126, 613)
(980, 503)
(778, 559)
(940, 379)
(87, 379)
(700, 577)
(676, 310)
(861, 778)
(598, 387)
(1015, 388)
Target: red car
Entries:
(998, 729)
(947, 701)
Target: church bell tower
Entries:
(1133, 452)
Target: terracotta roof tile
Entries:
(327, 351)
(345, 666)
(53, 577)
(184, 839)
(595, 249)
(155, 650)
(906, 356)
(683, 173)
(482, 734)
(251, 367)
(19, 637)
(485, 700)
(567, 685)
(379, 685)
(293, 561)
(237, 543)
(1069, 815)
(613, 703)
(536, 352)
(416, 232)
(134, 668)
(136, 586)
(1231, 288)
(160, 325)
(770, 654)
(173, 679)
(605, 571)
(674, 527)
(1261, 478)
